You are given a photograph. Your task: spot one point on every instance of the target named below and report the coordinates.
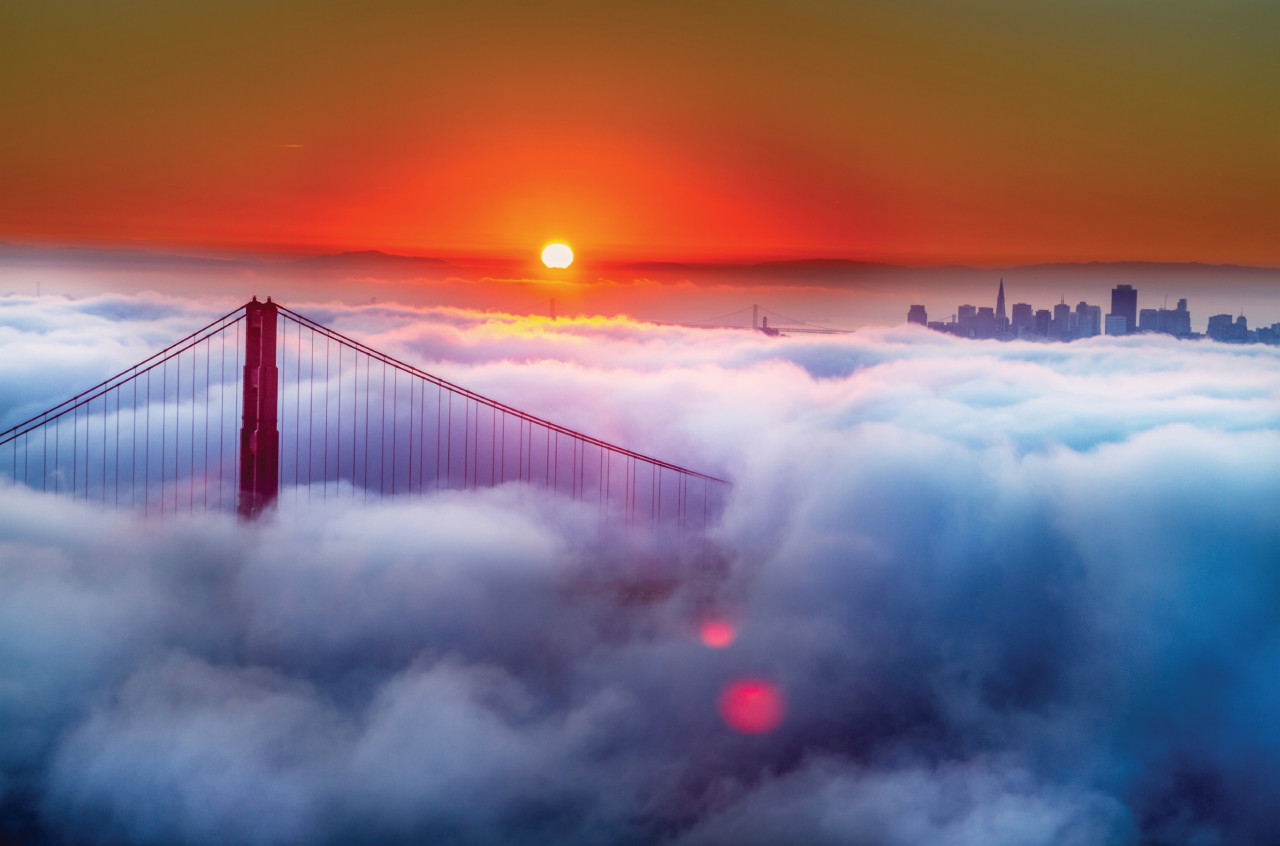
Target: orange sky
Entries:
(902, 131)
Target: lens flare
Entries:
(717, 633)
(557, 255)
(752, 706)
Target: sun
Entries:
(557, 255)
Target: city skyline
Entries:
(1064, 323)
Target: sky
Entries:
(1007, 594)
(924, 132)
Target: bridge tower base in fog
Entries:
(259, 433)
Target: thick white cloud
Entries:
(1011, 594)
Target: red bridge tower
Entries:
(259, 434)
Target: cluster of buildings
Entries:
(1067, 323)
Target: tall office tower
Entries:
(1023, 324)
(1000, 303)
(964, 319)
(1148, 319)
(1183, 319)
(1090, 320)
(1219, 327)
(916, 314)
(984, 323)
(1061, 321)
(1124, 303)
(1042, 322)
(1175, 321)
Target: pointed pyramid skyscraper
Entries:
(1000, 301)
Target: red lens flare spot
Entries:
(752, 706)
(717, 633)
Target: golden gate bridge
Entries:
(265, 408)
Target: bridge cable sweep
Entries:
(265, 407)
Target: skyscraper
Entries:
(1090, 320)
(1173, 321)
(1219, 327)
(1002, 330)
(984, 323)
(917, 314)
(1124, 303)
(1061, 321)
(1023, 324)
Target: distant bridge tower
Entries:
(755, 317)
(259, 433)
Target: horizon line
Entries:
(284, 255)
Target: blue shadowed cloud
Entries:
(1012, 594)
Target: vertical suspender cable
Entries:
(395, 419)
(102, 489)
(380, 441)
(311, 411)
(164, 427)
(208, 370)
(222, 414)
(191, 476)
(337, 447)
(368, 382)
(326, 417)
(117, 469)
(422, 436)
(146, 448)
(409, 489)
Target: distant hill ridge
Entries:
(22, 253)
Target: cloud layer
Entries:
(1010, 594)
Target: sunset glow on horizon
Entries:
(994, 132)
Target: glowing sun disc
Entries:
(557, 255)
